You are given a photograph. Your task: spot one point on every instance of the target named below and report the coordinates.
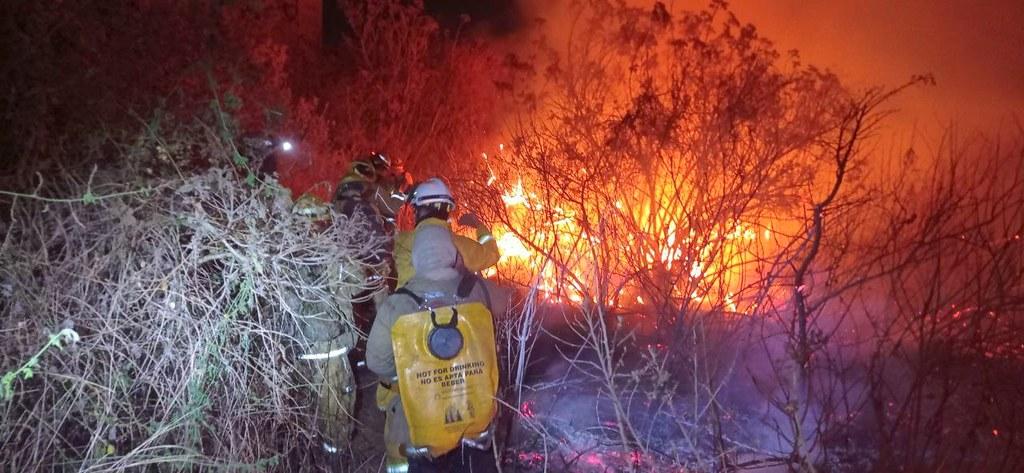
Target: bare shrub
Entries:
(182, 290)
(944, 373)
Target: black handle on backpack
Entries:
(451, 324)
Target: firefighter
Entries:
(432, 203)
(392, 180)
(442, 424)
(352, 201)
(326, 334)
(384, 184)
(372, 186)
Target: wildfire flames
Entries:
(546, 242)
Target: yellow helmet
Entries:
(351, 177)
(351, 185)
(312, 207)
(363, 169)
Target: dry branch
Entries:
(189, 299)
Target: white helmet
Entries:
(432, 191)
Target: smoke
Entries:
(973, 50)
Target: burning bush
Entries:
(692, 167)
(677, 175)
(662, 188)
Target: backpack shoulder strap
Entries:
(402, 290)
(466, 285)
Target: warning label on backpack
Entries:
(448, 376)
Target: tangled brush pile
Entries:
(178, 294)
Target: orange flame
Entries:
(715, 263)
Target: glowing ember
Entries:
(527, 410)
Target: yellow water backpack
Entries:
(447, 369)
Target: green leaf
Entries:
(232, 102)
(27, 373)
(89, 198)
(6, 389)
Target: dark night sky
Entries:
(498, 17)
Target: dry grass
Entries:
(184, 296)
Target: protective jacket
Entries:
(475, 255)
(325, 337)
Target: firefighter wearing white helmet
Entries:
(432, 203)
(440, 322)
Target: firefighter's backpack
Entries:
(447, 367)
